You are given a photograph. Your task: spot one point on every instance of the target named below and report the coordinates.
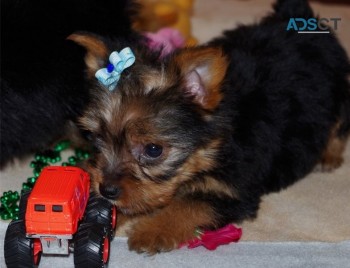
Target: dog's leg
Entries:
(332, 156)
(166, 229)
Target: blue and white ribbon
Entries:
(110, 76)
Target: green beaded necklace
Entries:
(9, 200)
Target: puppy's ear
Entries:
(203, 70)
(96, 50)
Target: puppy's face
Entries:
(153, 132)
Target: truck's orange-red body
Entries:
(57, 202)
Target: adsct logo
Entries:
(312, 25)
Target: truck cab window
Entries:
(57, 208)
(39, 208)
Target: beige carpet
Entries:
(315, 209)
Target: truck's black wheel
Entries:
(91, 246)
(23, 204)
(101, 211)
(20, 251)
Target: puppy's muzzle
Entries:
(109, 191)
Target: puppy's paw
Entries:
(332, 164)
(152, 238)
(329, 164)
(169, 227)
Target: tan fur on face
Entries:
(203, 159)
(91, 120)
(143, 195)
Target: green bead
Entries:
(36, 172)
(62, 145)
(38, 157)
(78, 152)
(9, 207)
(15, 196)
(9, 197)
(43, 157)
(26, 186)
(55, 157)
(38, 167)
(5, 215)
(38, 164)
(81, 155)
(72, 160)
(29, 180)
(32, 180)
(55, 160)
(48, 156)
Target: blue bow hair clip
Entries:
(110, 76)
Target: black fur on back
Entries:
(286, 9)
(285, 92)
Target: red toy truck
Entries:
(60, 215)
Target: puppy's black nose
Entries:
(109, 191)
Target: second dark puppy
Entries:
(197, 140)
(42, 79)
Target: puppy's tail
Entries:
(287, 9)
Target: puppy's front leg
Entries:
(167, 228)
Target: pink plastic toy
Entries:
(212, 239)
(166, 40)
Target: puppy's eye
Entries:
(86, 134)
(153, 150)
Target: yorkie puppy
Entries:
(198, 139)
(42, 73)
